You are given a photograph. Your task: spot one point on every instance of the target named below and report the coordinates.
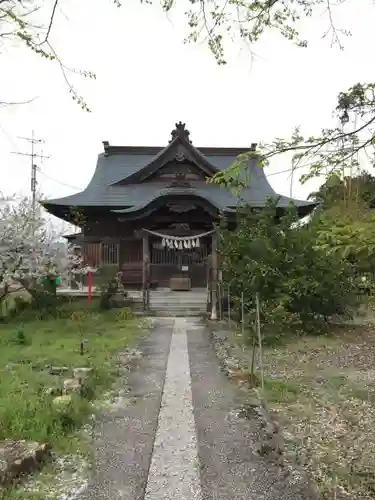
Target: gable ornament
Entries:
(180, 131)
(180, 157)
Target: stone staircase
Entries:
(167, 303)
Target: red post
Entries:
(89, 283)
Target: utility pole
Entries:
(33, 156)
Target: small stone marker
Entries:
(63, 400)
(71, 385)
(58, 370)
(81, 374)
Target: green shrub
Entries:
(20, 304)
(300, 285)
(20, 337)
(15, 306)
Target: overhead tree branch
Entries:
(52, 17)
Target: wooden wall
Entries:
(109, 242)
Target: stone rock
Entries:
(135, 354)
(342, 494)
(81, 374)
(320, 379)
(231, 364)
(71, 385)
(64, 400)
(126, 357)
(58, 370)
(20, 457)
(239, 375)
(119, 300)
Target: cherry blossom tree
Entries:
(28, 258)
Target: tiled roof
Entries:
(113, 168)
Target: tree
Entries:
(216, 22)
(335, 149)
(24, 22)
(345, 220)
(348, 233)
(359, 189)
(28, 258)
(300, 284)
(333, 153)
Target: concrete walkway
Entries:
(174, 470)
(178, 438)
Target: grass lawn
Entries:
(27, 348)
(322, 390)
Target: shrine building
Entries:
(149, 213)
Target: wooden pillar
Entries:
(214, 277)
(145, 270)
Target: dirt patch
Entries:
(322, 392)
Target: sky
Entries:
(148, 79)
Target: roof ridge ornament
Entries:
(180, 131)
(180, 180)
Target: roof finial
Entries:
(181, 132)
(106, 147)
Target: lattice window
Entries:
(92, 254)
(186, 257)
(110, 254)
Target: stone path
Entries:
(174, 473)
(178, 437)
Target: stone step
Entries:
(177, 306)
(181, 297)
(177, 303)
(182, 313)
(178, 294)
(180, 306)
(179, 311)
(178, 297)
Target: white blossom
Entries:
(26, 250)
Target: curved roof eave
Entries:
(169, 194)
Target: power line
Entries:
(41, 156)
(9, 138)
(57, 181)
(292, 169)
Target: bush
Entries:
(300, 285)
(15, 306)
(40, 307)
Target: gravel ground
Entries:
(181, 438)
(229, 468)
